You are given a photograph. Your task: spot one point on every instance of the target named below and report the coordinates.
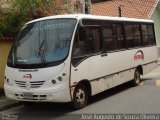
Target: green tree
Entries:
(31, 8)
(22, 11)
(10, 25)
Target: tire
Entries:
(137, 78)
(80, 96)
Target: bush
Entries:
(10, 25)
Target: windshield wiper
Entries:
(41, 52)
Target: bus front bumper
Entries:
(54, 94)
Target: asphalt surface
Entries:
(124, 99)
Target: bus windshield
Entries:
(45, 41)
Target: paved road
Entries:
(122, 99)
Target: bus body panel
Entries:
(115, 68)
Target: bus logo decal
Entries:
(27, 76)
(139, 55)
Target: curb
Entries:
(9, 106)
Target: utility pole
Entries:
(82, 6)
(120, 10)
(87, 6)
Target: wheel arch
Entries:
(140, 68)
(75, 100)
(87, 84)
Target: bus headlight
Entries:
(60, 78)
(54, 81)
(9, 81)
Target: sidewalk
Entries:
(6, 103)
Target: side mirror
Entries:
(82, 34)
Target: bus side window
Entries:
(133, 35)
(148, 35)
(136, 35)
(87, 45)
(109, 42)
(113, 37)
(119, 36)
(78, 46)
(129, 36)
(92, 41)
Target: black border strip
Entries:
(116, 73)
(150, 62)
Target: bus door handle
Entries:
(103, 55)
(75, 69)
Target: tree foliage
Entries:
(22, 11)
(31, 8)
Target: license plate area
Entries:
(27, 95)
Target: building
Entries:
(143, 9)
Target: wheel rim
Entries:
(137, 77)
(80, 96)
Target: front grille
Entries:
(21, 84)
(36, 84)
(24, 84)
(34, 97)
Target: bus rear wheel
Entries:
(137, 78)
(80, 96)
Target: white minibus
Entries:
(68, 58)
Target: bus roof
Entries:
(87, 16)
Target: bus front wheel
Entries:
(80, 96)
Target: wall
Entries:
(4, 50)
